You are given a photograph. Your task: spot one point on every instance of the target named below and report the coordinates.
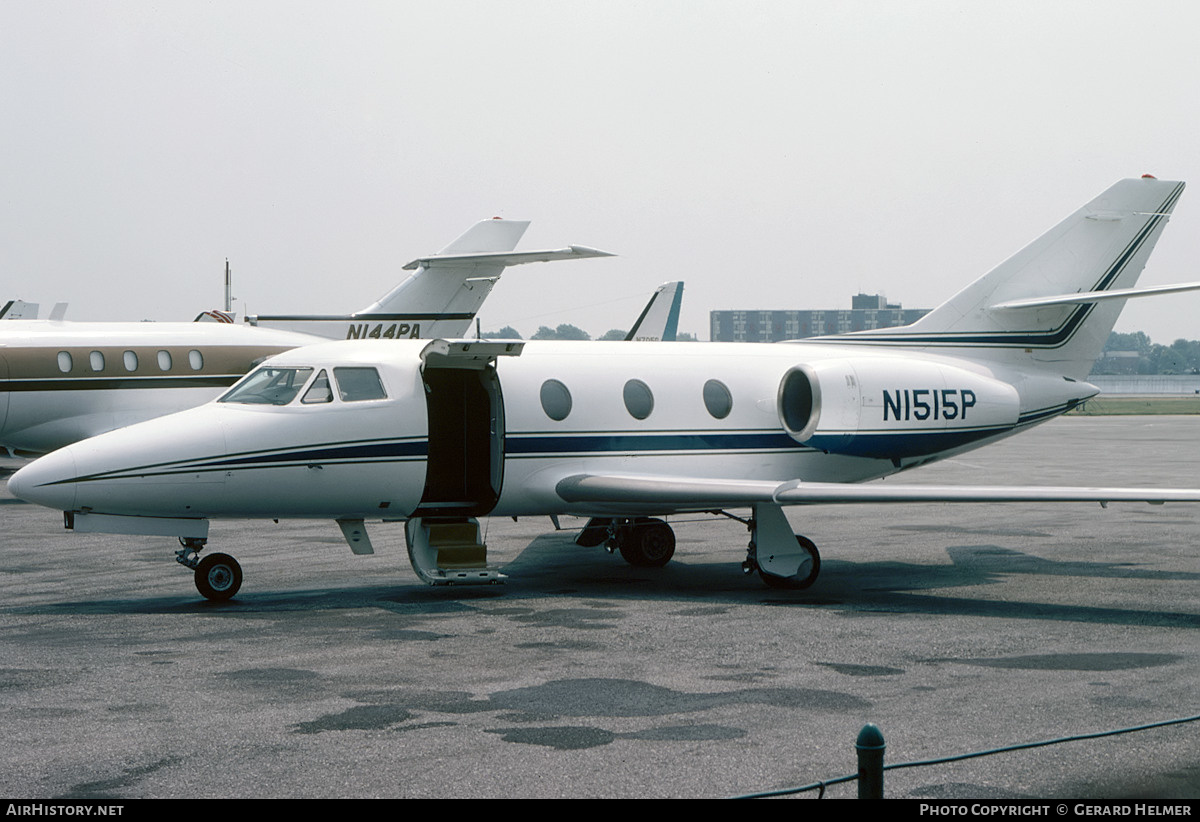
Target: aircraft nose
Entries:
(48, 481)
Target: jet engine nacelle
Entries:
(892, 408)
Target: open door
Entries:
(465, 468)
(464, 472)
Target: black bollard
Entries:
(870, 747)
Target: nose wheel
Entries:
(218, 576)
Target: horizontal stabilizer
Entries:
(1085, 297)
(574, 252)
(685, 493)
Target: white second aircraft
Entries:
(61, 382)
(439, 433)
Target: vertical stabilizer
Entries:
(454, 287)
(1102, 247)
(659, 320)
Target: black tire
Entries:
(648, 543)
(218, 577)
(791, 583)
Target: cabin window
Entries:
(717, 399)
(269, 386)
(319, 391)
(164, 360)
(356, 384)
(64, 362)
(195, 360)
(96, 360)
(131, 361)
(639, 401)
(556, 400)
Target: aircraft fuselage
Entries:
(456, 436)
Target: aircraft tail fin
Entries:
(1057, 299)
(659, 320)
(18, 310)
(443, 294)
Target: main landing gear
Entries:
(218, 576)
(781, 559)
(643, 542)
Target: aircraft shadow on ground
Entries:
(552, 566)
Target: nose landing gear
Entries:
(218, 576)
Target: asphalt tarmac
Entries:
(953, 628)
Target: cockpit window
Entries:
(319, 391)
(356, 384)
(269, 386)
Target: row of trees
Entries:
(1135, 353)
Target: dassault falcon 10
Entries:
(64, 381)
(439, 433)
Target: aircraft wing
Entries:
(661, 493)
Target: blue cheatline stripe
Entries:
(547, 444)
(119, 383)
(330, 453)
(341, 453)
(1053, 338)
(901, 443)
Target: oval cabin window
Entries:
(717, 399)
(639, 401)
(556, 400)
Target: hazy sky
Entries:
(770, 154)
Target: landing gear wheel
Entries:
(797, 583)
(648, 543)
(218, 577)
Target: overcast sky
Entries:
(770, 154)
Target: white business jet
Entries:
(61, 382)
(439, 433)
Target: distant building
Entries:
(869, 311)
(1118, 362)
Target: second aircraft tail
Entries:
(443, 294)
